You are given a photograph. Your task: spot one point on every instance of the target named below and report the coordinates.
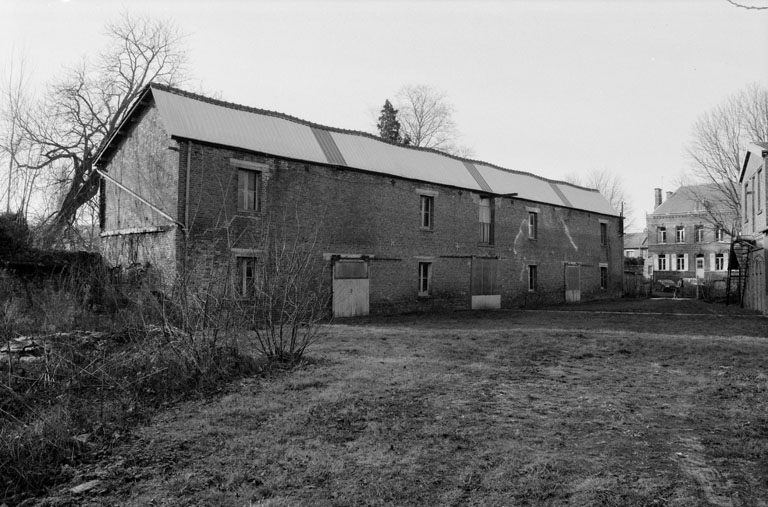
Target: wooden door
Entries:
(351, 288)
(484, 288)
(572, 283)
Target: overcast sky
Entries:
(549, 87)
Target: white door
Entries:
(572, 283)
(700, 268)
(350, 288)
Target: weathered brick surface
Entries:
(377, 215)
(349, 212)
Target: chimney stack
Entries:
(657, 197)
(669, 194)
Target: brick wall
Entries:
(707, 248)
(377, 215)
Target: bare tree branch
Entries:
(751, 7)
(84, 108)
(610, 186)
(717, 148)
(426, 120)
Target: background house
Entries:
(682, 241)
(754, 224)
(190, 183)
(636, 245)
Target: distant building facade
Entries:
(754, 224)
(682, 242)
(636, 244)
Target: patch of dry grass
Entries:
(516, 409)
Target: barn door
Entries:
(484, 287)
(572, 283)
(350, 288)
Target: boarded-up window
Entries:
(349, 269)
(484, 273)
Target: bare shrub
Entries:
(287, 300)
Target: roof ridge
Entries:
(295, 119)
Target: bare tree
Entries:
(13, 143)
(719, 141)
(750, 7)
(610, 186)
(84, 108)
(426, 120)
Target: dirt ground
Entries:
(639, 402)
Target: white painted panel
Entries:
(351, 297)
(486, 302)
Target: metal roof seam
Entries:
(284, 116)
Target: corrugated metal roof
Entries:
(478, 177)
(582, 198)
(205, 121)
(328, 145)
(193, 117)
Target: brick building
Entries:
(405, 229)
(682, 242)
(754, 224)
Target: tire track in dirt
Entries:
(715, 487)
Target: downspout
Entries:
(186, 190)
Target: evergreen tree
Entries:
(389, 126)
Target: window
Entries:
(603, 233)
(486, 220)
(698, 235)
(680, 234)
(720, 234)
(427, 211)
(661, 235)
(425, 278)
(248, 194)
(680, 263)
(603, 277)
(719, 262)
(759, 190)
(533, 278)
(533, 225)
(662, 262)
(746, 201)
(245, 276)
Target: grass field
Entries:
(607, 405)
